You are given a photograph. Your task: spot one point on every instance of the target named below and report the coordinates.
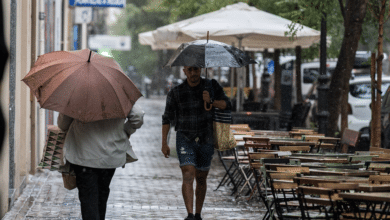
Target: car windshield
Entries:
(363, 90)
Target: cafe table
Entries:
(333, 165)
(342, 172)
(334, 179)
(322, 155)
(319, 159)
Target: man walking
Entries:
(94, 150)
(194, 137)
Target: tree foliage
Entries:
(140, 16)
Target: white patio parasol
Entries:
(240, 24)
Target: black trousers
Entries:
(94, 188)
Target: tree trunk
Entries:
(377, 110)
(344, 108)
(277, 78)
(355, 13)
(298, 82)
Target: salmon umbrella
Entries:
(83, 85)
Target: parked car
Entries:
(385, 120)
(359, 100)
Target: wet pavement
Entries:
(147, 189)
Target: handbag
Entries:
(69, 181)
(222, 134)
(53, 153)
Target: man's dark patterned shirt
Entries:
(185, 108)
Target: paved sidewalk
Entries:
(147, 189)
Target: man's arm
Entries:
(165, 148)
(221, 100)
(167, 118)
(135, 120)
(64, 122)
(221, 104)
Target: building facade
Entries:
(31, 28)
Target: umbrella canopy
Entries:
(83, 85)
(146, 38)
(209, 53)
(239, 24)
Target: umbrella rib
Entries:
(100, 71)
(43, 70)
(43, 102)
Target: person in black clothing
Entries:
(194, 137)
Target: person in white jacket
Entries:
(94, 150)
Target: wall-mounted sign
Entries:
(98, 3)
(83, 15)
(96, 42)
(271, 67)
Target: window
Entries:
(363, 90)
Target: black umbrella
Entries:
(209, 53)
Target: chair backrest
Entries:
(295, 148)
(314, 181)
(240, 127)
(379, 179)
(339, 187)
(282, 176)
(256, 140)
(257, 143)
(296, 169)
(259, 156)
(284, 185)
(350, 137)
(255, 159)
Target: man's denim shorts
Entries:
(197, 152)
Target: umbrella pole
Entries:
(207, 42)
(205, 103)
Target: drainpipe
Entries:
(41, 50)
(12, 85)
(33, 133)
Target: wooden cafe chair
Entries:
(317, 203)
(285, 200)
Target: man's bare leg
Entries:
(201, 188)
(188, 187)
